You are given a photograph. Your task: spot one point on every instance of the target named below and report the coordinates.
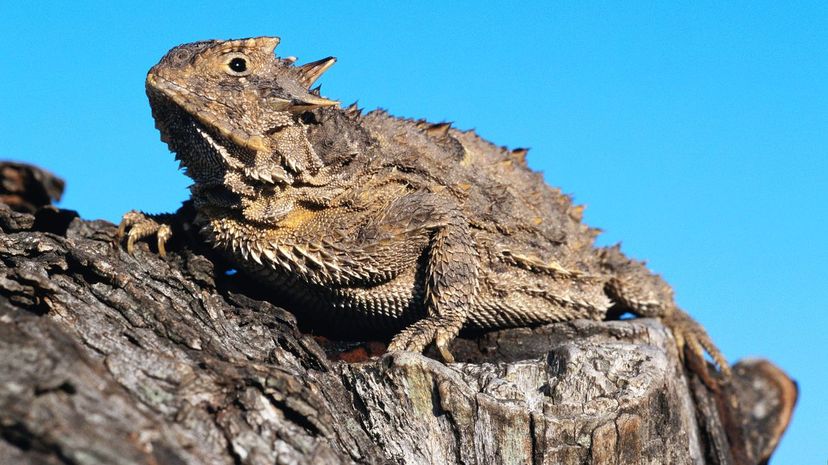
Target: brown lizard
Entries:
(370, 219)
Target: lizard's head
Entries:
(218, 103)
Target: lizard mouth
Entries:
(201, 109)
(207, 150)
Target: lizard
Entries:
(370, 219)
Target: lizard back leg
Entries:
(645, 294)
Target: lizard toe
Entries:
(416, 337)
(163, 234)
(444, 336)
(693, 342)
(128, 220)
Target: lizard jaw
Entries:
(196, 107)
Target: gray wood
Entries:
(108, 358)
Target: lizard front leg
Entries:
(136, 225)
(451, 285)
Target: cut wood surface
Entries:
(111, 358)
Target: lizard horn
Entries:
(310, 72)
(301, 104)
(267, 44)
(309, 102)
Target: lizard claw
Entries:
(416, 337)
(136, 226)
(693, 341)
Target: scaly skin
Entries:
(375, 220)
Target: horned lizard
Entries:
(375, 220)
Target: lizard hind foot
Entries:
(136, 226)
(693, 342)
(420, 334)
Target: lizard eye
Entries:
(236, 65)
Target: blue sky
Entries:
(695, 132)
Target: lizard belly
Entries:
(390, 305)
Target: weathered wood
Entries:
(110, 358)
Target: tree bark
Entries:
(111, 358)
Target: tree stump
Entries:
(111, 358)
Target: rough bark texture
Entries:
(111, 358)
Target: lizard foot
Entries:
(136, 226)
(416, 337)
(693, 341)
